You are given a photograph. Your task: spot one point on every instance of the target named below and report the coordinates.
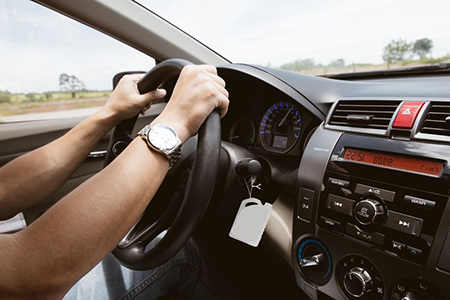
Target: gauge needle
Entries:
(285, 117)
(234, 137)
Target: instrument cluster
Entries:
(278, 129)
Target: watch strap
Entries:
(173, 155)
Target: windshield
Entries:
(317, 37)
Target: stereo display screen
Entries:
(394, 161)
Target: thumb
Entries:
(153, 96)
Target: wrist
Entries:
(107, 117)
(179, 127)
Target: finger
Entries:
(217, 79)
(223, 104)
(209, 68)
(149, 97)
(133, 77)
(147, 107)
(221, 89)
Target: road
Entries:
(71, 113)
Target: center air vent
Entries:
(364, 114)
(438, 119)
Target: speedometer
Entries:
(280, 127)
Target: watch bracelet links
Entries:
(174, 155)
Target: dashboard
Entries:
(265, 120)
(370, 214)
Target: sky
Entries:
(37, 44)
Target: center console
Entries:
(372, 217)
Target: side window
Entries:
(54, 67)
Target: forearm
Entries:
(29, 179)
(76, 233)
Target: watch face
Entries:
(162, 137)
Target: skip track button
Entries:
(340, 204)
(404, 223)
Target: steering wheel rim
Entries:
(200, 186)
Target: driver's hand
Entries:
(199, 90)
(126, 101)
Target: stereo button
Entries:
(330, 222)
(404, 223)
(413, 252)
(398, 247)
(419, 202)
(372, 237)
(338, 182)
(305, 204)
(340, 204)
(384, 194)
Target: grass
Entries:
(367, 67)
(51, 101)
(57, 96)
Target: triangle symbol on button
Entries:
(406, 112)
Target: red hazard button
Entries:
(407, 115)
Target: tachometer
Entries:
(280, 127)
(242, 133)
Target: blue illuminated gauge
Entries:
(280, 127)
(314, 261)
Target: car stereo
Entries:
(370, 217)
(364, 199)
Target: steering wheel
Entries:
(131, 251)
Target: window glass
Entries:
(54, 67)
(317, 37)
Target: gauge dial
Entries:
(280, 127)
(242, 133)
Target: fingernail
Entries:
(161, 92)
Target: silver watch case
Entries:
(163, 139)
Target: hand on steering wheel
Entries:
(185, 115)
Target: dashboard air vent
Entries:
(438, 119)
(374, 114)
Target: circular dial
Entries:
(369, 211)
(415, 289)
(162, 137)
(242, 133)
(358, 278)
(280, 127)
(358, 282)
(314, 261)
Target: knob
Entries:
(369, 211)
(312, 261)
(408, 296)
(358, 282)
(248, 166)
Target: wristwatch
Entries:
(162, 139)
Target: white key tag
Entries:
(250, 222)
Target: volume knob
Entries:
(358, 282)
(369, 211)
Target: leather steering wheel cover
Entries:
(199, 188)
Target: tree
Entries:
(31, 97)
(396, 51)
(70, 84)
(48, 95)
(300, 64)
(5, 96)
(422, 47)
(338, 63)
